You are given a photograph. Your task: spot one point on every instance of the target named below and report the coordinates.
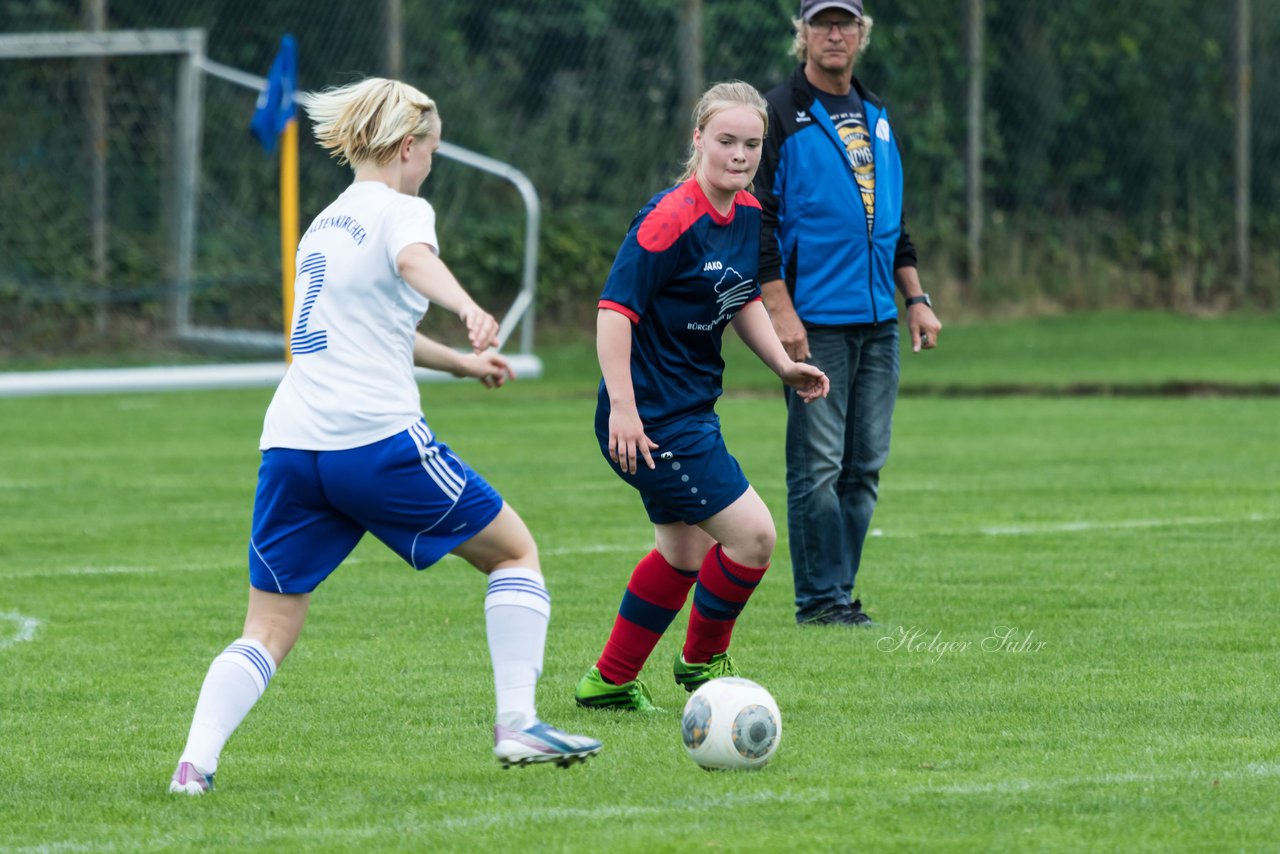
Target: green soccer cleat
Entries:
(595, 693)
(694, 676)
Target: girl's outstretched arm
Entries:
(427, 274)
(755, 329)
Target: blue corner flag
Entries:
(276, 106)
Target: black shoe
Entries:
(857, 616)
(840, 615)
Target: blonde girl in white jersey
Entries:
(345, 448)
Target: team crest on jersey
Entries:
(732, 293)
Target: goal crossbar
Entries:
(102, 43)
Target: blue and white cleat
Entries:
(189, 780)
(541, 743)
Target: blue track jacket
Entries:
(814, 232)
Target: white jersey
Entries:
(351, 380)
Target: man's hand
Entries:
(792, 334)
(786, 322)
(924, 326)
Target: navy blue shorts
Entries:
(312, 507)
(695, 476)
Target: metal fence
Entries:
(1086, 153)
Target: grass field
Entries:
(1076, 648)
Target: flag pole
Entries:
(288, 222)
(275, 123)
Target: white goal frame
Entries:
(188, 45)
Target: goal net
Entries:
(97, 168)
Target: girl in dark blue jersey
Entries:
(687, 269)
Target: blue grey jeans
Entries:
(835, 450)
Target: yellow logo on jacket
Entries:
(857, 144)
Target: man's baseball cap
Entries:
(809, 8)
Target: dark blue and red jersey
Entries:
(680, 276)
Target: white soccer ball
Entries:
(731, 723)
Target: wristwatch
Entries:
(923, 298)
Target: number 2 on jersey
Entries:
(313, 341)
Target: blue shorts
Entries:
(408, 490)
(695, 476)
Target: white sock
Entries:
(235, 681)
(517, 609)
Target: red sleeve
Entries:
(620, 309)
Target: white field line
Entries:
(1035, 528)
(1122, 524)
(991, 531)
(1251, 771)
(1012, 786)
(25, 629)
(72, 571)
(600, 549)
(542, 815)
(641, 548)
(809, 796)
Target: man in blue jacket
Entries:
(833, 249)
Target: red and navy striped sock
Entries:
(656, 593)
(723, 589)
